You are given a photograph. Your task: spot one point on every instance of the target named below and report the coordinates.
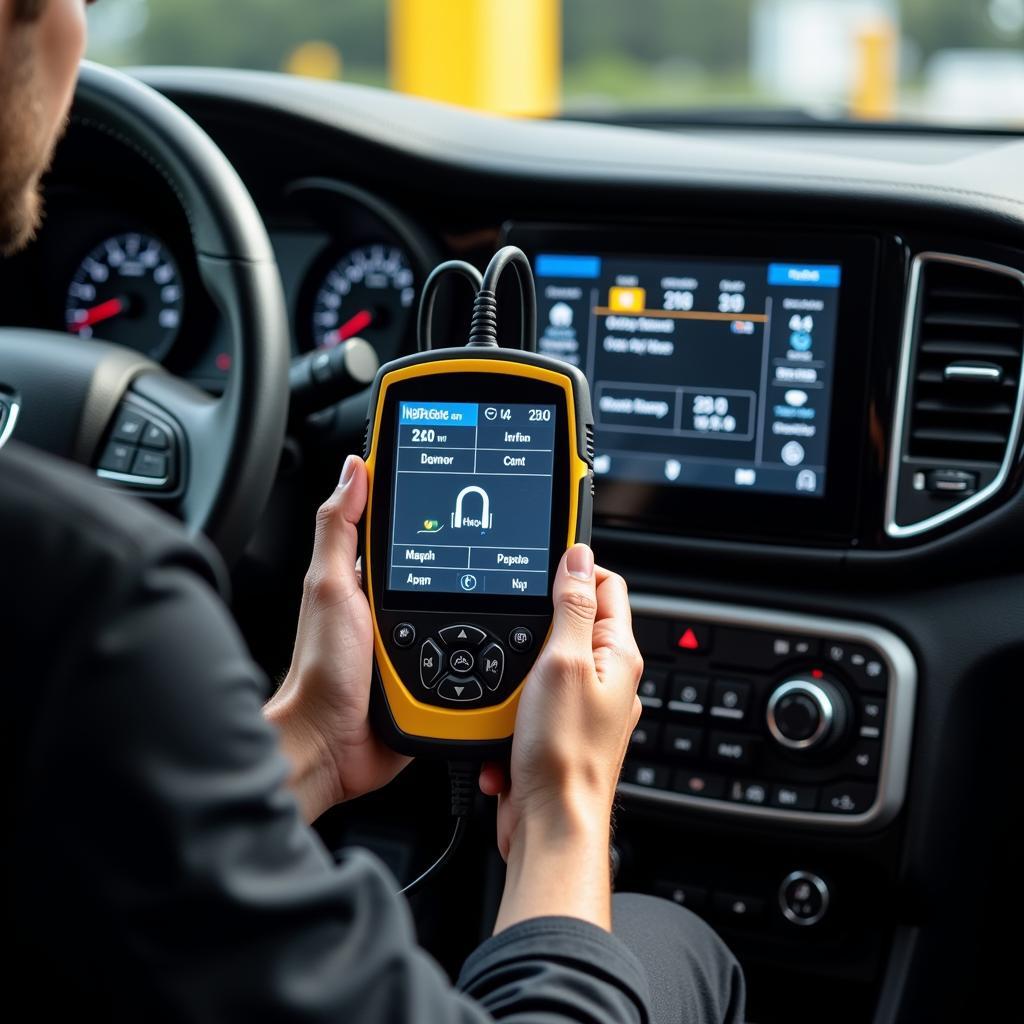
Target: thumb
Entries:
(337, 537)
(575, 599)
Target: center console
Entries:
(761, 714)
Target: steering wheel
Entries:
(212, 461)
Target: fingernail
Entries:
(580, 562)
(347, 470)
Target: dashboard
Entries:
(805, 350)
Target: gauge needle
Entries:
(104, 311)
(350, 328)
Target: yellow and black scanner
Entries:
(480, 462)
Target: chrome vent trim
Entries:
(898, 447)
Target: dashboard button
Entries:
(463, 635)
(644, 739)
(461, 662)
(847, 798)
(691, 637)
(864, 759)
(651, 690)
(129, 426)
(492, 665)
(795, 798)
(404, 634)
(431, 662)
(754, 648)
(731, 748)
(683, 740)
(693, 897)
(749, 792)
(154, 436)
(803, 898)
(730, 699)
(705, 784)
(688, 694)
(872, 717)
(640, 773)
(520, 639)
(150, 464)
(460, 691)
(117, 457)
(737, 907)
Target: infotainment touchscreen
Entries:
(704, 373)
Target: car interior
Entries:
(804, 344)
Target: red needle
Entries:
(104, 311)
(350, 328)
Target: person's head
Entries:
(41, 43)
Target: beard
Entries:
(25, 154)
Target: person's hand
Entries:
(321, 707)
(576, 713)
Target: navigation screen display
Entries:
(472, 498)
(703, 373)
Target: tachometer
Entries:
(369, 292)
(127, 290)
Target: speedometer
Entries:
(368, 292)
(127, 290)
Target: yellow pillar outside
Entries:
(876, 69)
(504, 56)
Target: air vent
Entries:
(970, 330)
(959, 400)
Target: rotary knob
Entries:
(807, 712)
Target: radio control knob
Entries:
(806, 712)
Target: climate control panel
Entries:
(771, 714)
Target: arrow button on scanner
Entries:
(462, 634)
(460, 690)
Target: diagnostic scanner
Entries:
(480, 462)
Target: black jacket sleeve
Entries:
(163, 870)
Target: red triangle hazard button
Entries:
(688, 641)
(692, 637)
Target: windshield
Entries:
(956, 62)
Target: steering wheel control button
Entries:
(520, 639)
(650, 776)
(404, 634)
(683, 741)
(491, 663)
(803, 898)
(129, 426)
(732, 748)
(691, 637)
(461, 662)
(150, 464)
(431, 661)
(688, 694)
(462, 636)
(117, 457)
(730, 699)
(154, 436)
(702, 784)
(794, 798)
(652, 689)
(847, 798)
(460, 690)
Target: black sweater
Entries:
(158, 866)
